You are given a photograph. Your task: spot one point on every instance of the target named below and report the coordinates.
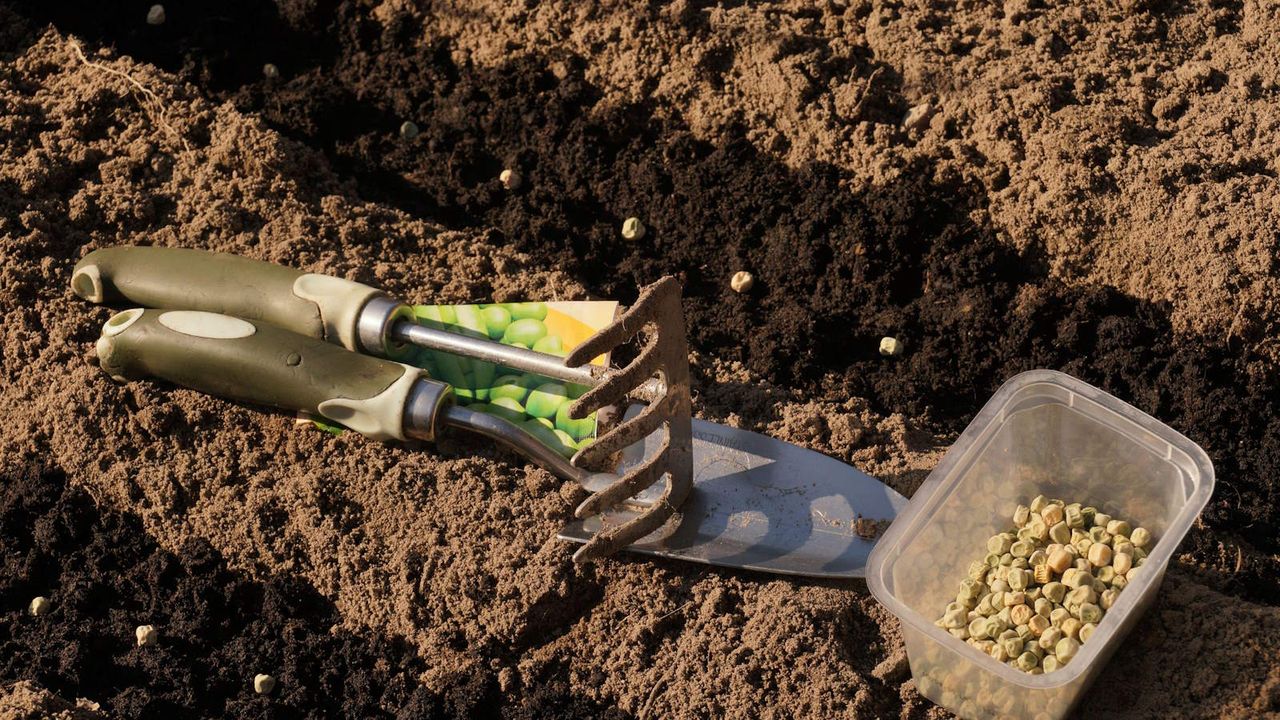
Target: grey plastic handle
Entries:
(318, 306)
(259, 363)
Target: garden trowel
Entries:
(267, 334)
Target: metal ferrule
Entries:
(373, 326)
(424, 409)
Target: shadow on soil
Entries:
(218, 628)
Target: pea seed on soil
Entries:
(1012, 230)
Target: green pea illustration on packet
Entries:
(534, 403)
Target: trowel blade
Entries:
(759, 504)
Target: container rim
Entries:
(937, 486)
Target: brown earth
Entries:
(450, 549)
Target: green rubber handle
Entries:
(318, 306)
(259, 363)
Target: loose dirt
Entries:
(436, 566)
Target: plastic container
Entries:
(1047, 433)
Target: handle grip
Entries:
(318, 306)
(259, 363)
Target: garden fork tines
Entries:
(658, 315)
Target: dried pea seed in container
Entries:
(1043, 586)
(1119, 527)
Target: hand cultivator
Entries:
(661, 482)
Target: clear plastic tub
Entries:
(1043, 432)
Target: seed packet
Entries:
(536, 404)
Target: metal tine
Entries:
(656, 312)
(633, 482)
(649, 420)
(618, 383)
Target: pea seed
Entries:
(263, 684)
(1050, 637)
(1012, 646)
(1140, 537)
(890, 346)
(1083, 565)
(1059, 616)
(1019, 579)
(1039, 557)
(1055, 591)
(1088, 512)
(578, 429)
(992, 560)
(1086, 631)
(550, 344)
(1014, 598)
(1090, 613)
(1070, 628)
(999, 544)
(1044, 606)
(1027, 661)
(978, 628)
(1101, 520)
(506, 407)
(270, 71)
(999, 653)
(1122, 563)
(1122, 547)
(1059, 561)
(40, 605)
(984, 605)
(1074, 518)
(1106, 574)
(146, 635)
(1066, 649)
(1119, 527)
(545, 400)
(408, 130)
(1038, 624)
(1049, 663)
(1021, 614)
(977, 570)
(528, 311)
(1052, 514)
(1020, 515)
(510, 179)
(1021, 549)
(1042, 573)
(1038, 503)
(1007, 559)
(155, 16)
(496, 319)
(1060, 533)
(526, 331)
(742, 281)
(632, 229)
(1121, 581)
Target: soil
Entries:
(996, 232)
